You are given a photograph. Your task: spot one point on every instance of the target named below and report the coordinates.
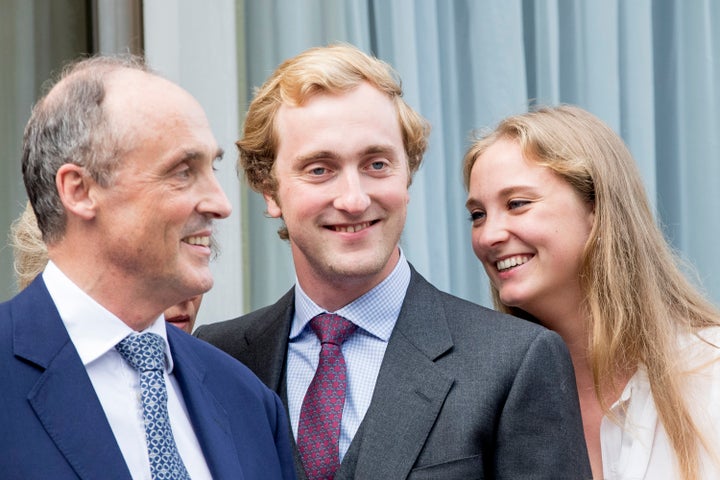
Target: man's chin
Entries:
(355, 270)
(197, 285)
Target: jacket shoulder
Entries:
(229, 335)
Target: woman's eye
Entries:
(476, 215)
(512, 204)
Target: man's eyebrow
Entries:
(328, 154)
(319, 155)
(374, 149)
(196, 154)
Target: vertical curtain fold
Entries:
(648, 68)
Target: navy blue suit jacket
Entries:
(52, 425)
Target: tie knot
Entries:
(143, 352)
(331, 328)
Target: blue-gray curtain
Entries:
(650, 69)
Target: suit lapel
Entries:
(209, 419)
(265, 353)
(409, 392)
(266, 342)
(63, 398)
(410, 389)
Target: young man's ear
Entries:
(273, 209)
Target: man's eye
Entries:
(183, 173)
(378, 165)
(318, 171)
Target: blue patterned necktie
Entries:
(146, 354)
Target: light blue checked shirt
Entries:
(375, 314)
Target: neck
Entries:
(332, 296)
(333, 293)
(573, 327)
(117, 295)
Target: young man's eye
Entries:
(378, 165)
(318, 171)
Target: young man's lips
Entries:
(352, 228)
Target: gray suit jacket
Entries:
(463, 392)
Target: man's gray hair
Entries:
(70, 125)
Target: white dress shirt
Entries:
(375, 314)
(638, 448)
(94, 332)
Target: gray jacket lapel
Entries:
(263, 347)
(409, 392)
(264, 351)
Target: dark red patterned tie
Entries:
(319, 428)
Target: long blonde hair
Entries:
(637, 298)
(29, 251)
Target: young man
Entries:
(118, 166)
(415, 383)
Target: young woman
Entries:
(564, 230)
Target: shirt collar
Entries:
(92, 328)
(375, 312)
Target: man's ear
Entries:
(273, 209)
(74, 187)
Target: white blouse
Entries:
(638, 448)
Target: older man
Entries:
(118, 166)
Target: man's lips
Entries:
(198, 240)
(351, 228)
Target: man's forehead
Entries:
(146, 101)
(127, 84)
